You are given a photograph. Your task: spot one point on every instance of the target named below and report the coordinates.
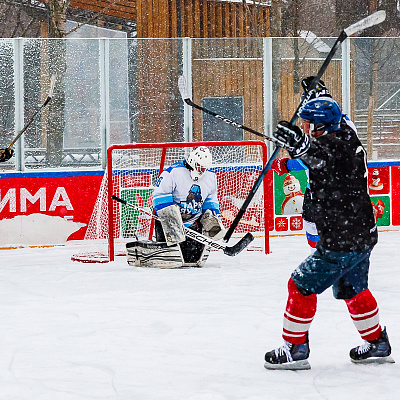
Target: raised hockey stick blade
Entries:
(228, 250)
(373, 19)
(48, 98)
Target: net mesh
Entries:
(135, 171)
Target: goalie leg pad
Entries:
(204, 256)
(192, 251)
(145, 253)
(171, 221)
(212, 225)
(200, 262)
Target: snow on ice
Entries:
(72, 331)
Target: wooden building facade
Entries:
(235, 72)
(186, 18)
(156, 100)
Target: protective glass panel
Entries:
(36, 88)
(377, 95)
(82, 140)
(226, 68)
(116, 90)
(7, 93)
(119, 91)
(156, 109)
(298, 58)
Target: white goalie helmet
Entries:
(200, 161)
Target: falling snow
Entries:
(73, 331)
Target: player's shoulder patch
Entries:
(175, 165)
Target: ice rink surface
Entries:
(73, 331)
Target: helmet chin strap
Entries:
(194, 173)
(186, 164)
(316, 133)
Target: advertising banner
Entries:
(46, 207)
(383, 188)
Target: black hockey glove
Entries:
(292, 138)
(319, 90)
(6, 154)
(306, 82)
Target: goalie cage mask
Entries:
(199, 161)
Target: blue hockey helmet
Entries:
(324, 113)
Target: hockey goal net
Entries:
(132, 171)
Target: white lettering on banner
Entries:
(9, 197)
(61, 193)
(60, 199)
(26, 195)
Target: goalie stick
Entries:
(228, 250)
(372, 20)
(47, 101)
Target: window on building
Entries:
(229, 107)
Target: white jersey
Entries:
(176, 186)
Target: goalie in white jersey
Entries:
(186, 195)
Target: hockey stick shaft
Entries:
(367, 22)
(186, 98)
(189, 102)
(228, 250)
(47, 101)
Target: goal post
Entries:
(132, 172)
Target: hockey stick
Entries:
(367, 22)
(49, 97)
(372, 20)
(186, 98)
(228, 250)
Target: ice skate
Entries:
(289, 356)
(376, 351)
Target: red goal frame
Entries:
(267, 183)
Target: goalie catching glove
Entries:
(292, 138)
(212, 225)
(172, 224)
(6, 154)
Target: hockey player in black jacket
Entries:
(347, 230)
